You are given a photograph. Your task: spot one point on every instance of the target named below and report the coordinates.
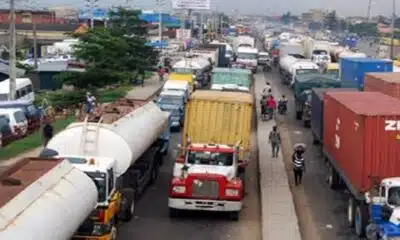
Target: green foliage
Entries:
(112, 54)
(365, 29)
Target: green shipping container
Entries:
(231, 76)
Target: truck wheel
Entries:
(234, 216)
(333, 178)
(128, 204)
(315, 140)
(361, 219)
(306, 124)
(351, 206)
(173, 213)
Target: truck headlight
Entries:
(231, 192)
(179, 189)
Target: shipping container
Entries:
(362, 137)
(387, 83)
(219, 117)
(352, 70)
(317, 110)
(225, 77)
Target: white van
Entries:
(24, 89)
(18, 122)
(180, 86)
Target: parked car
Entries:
(17, 121)
(6, 135)
(31, 112)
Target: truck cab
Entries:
(385, 211)
(248, 56)
(207, 177)
(173, 102)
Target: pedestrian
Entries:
(161, 72)
(89, 104)
(299, 165)
(275, 140)
(47, 131)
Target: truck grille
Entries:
(205, 188)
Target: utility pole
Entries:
(369, 10)
(221, 23)
(392, 37)
(13, 46)
(35, 49)
(160, 26)
(201, 29)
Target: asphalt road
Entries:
(151, 221)
(321, 211)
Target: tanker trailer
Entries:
(285, 64)
(44, 199)
(123, 149)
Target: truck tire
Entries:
(299, 115)
(234, 216)
(173, 213)
(361, 219)
(315, 140)
(351, 206)
(307, 123)
(128, 204)
(333, 178)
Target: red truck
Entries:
(362, 145)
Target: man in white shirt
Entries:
(267, 90)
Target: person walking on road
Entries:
(48, 131)
(161, 72)
(299, 165)
(275, 140)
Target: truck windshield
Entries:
(173, 100)
(394, 196)
(210, 158)
(247, 56)
(100, 180)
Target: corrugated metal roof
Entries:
(53, 67)
(368, 103)
(5, 69)
(222, 96)
(42, 27)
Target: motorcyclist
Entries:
(271, 105)
(267, 90)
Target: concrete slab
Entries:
(278, 215)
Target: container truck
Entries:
(209, 171)
(317, 111)
(361, 144)
(243, 41)
(294, 49)
(44, 199)
(387, 83)
(231, 79)
(302, 93)
(352, 70)
(121, 150)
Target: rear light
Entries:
(100, 215)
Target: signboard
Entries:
(98, 14)
(183, 34)
(191, 4)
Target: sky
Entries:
(343, 7)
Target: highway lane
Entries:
(318, 207)
(151, 221)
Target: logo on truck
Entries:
(392, 125)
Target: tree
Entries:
(111, 55)
(364, 29)
(331, 21)
(286, 18)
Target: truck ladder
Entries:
(90, 137)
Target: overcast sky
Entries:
(343, 7)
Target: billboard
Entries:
(191, 4)
(99, 14)
(183, 34)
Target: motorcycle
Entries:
(267, 68)
(282, 107)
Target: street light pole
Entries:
(392, 37)
(12, 52)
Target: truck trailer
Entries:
(361, 144)
(44, 199)
(208, 173)
(120, 149)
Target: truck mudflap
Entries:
(204, 205)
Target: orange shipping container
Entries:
(387, 83)
(362, 136)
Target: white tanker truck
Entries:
(121, 155)
(44, 199)
(290, 67)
